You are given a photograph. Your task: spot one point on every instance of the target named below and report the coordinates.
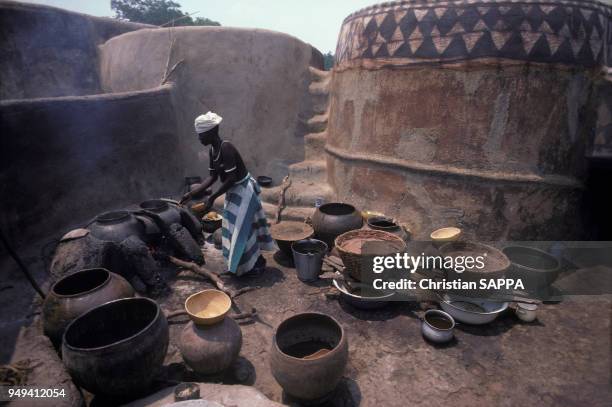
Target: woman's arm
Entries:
(203, 187)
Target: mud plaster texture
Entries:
(562, 359)
(436, 147)
(92, 119)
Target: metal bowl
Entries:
(360, 302)
(432, 329)
(537, 268)
(474, 311)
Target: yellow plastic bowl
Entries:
(208, 307)
(445, 234)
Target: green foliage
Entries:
(328, 61)
(156, 12)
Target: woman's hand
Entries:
(186, 197)
(208, 206)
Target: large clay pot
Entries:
(116, 226)
(333, 219)
(169, 213)
(211, 349)
(117, 348)
(79, 292)
(288, 232)
(303, 335)
(389, 225)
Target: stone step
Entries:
(289, 213)
(300, 193)
(314, 146)
(319, 104)
(310, 170)
(319, 88)
(318, 75)
(318, 123)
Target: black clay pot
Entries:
(388, 225)
(169, 213)
(117, 349)
(116, 226)
(77, 293)
(309, 354)
(333, 219)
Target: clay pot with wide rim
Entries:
(77, 293)
(116, 226)
(169, 214)
(309, 354)
(286, 233)
(117, 348)
(389, 225)
(330, 220)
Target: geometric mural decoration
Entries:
(433, 32)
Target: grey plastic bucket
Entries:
(308, 257)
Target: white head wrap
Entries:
(206, 122)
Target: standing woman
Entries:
(245, 229)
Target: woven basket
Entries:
(353, 261)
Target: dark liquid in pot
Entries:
(439, 322)
(383, 224)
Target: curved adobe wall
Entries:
(63, 160)
(475, 114)
(256, 79)
(49, 52)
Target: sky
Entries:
(314, 21)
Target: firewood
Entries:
(194, 268)
(281, 198)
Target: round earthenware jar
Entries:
(333, 219)
(211, 349)
(117, 349)
(116, 226)
(387, 224)
(309, 354)
(79, 292)
(169, 214)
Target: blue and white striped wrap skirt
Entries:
(245, 229)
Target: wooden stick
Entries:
(244, 290)
(187, 265)
(167, 76)
(176, 314)
(245, 315)
(333, 264)
(281, 198)
(170, 48)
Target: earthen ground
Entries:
(562, 359)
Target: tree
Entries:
(328, 61)
(156, 12)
